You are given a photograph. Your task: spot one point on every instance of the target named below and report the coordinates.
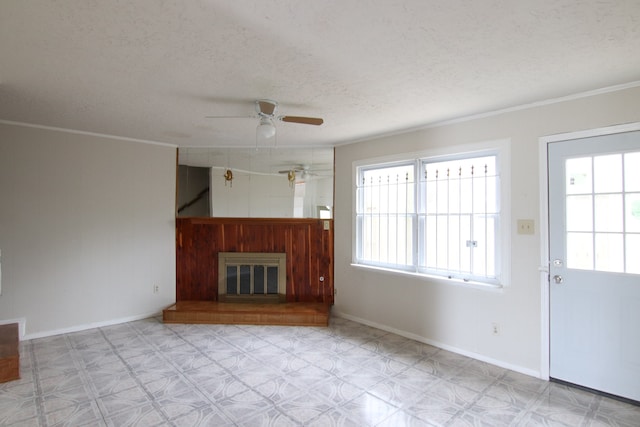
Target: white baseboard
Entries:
(87, 326)
(492, 361)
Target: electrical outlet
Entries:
(156, 289)
(495, 328)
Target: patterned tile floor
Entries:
(151, 374)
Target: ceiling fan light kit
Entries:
(266, 130)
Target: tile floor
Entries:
(151, 374)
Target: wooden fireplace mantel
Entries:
(308, 244)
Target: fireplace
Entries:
(252, 277)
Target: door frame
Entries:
(543, 143)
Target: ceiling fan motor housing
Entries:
(266, 107)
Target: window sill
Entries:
(432, 278)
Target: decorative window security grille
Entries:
(386, 215)
(446, 222)
(459, 219)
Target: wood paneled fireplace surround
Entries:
(305, 293)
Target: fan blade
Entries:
(230, 117)
(266, 106)
(303, 120)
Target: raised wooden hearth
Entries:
(248, 313)
(9, 353)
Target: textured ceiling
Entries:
(153, 70)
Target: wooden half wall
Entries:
(308, 244)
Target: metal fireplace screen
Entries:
(247, 279)
(251, 273)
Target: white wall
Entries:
(86, 229)
(453, 316)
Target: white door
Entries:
(594, 238)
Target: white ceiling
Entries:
(152, 70)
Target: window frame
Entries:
(359, 224)
(499, 148)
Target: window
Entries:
(387, 215)
(437, 216)
(459, 219)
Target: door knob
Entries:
(557, 278)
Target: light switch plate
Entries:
(525, 226)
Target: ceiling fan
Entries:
(304, 171)
(266, 113)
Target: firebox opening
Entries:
(251, 277)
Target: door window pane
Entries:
(632, 217)
(579, 213)
(632, 171)
(609, 252)
(633, 249)
(607, 173)
(580, 251)
(608, 212)
(578, 175)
